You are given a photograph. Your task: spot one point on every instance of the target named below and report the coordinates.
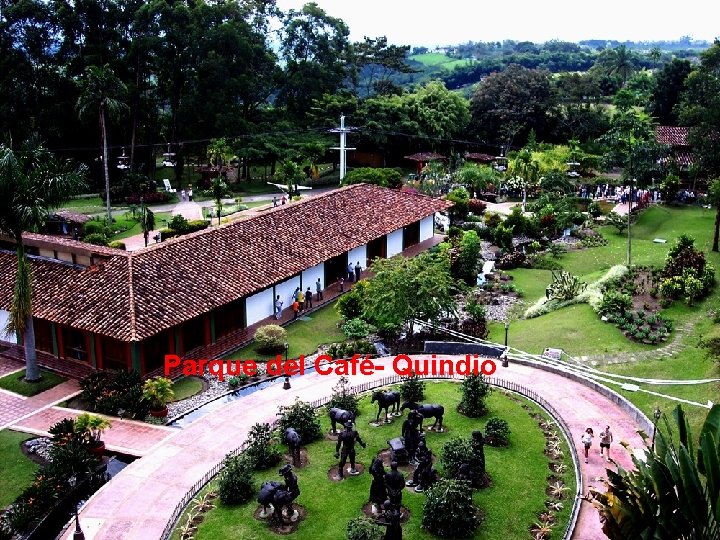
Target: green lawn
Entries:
(14, 382)
(433, 59)
(510, 505)
(186, 387)
(133, 226)
(304, 337)
(16, 470)
(89, 205)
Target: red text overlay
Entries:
(402, 365)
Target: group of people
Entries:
(301, 300)
(620, 194)
(275, 200)
(186, 195)
(353, 274)
(606, 438)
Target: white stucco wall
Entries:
(310, 276)
(426, 228)
(394, 242)
(286, 290)
(358, 254)
(4, 316)
(259, 306)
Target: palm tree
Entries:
(622, 63)
(527, 169)
(147, 222)
(101, 91)
(32, 181)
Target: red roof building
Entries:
(677, 138)
(116, 309)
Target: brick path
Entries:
(14, 407)
(137, 503)
(9, 365)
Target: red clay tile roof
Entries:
(672, 135)
(474, 156)
(132, 296)
(424, 157)
(67, 215)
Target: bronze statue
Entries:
(285, 495)
(346, 440)
(392, 515)
(395, 483)
(340, 416)
(378, 492)
(292, 438)
(386, 400)
(422, 477)
(410, 433)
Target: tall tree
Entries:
(509, 104)
(526, 171)
(700, 109)
(670, 83)
(32, 181)
(375, 61)
(317, 54)
(714, 196)
(102, 92)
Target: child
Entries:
(342, 284)
(587, 438)
(295, 308)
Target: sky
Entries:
(433, 23)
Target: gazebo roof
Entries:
(71, 217)
(425, 157)
(475, 156)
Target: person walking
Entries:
(350, 272)
(182, 195)
(308, 298)
(587, 438)
(342, 284)
(295, 308)
(318, 290)
(358, 270)
(278, 307)
(274, 202)
(606, 438)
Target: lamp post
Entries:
(629, 245)
(656, 415)
(78, 534)
(504, 356)
(507, 327)
(287, 346)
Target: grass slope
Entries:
(519, 469)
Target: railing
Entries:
(394, 379)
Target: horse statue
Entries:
(386, 400)
(340, 416)
(292, 439)
(427, 410)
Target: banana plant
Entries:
(674, 492)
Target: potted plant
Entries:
(158, 392)
(92, 427)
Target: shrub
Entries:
(117, 244)
(385, 177)
(508, 261)
(357, 329)
(158, 392)
(261, 448)
(476, 206)
(474, 391)
(615, 302)
(448, 511)
(179, 223)
(503, 236)
(412, 388)
(594, 209)
(616, 220)
(342, 398)
(97, 239)
(564, 286)
(557, 250)
(94, 227)
(492, 220)
(460, 197)
(350, 305)
(516, 221)
(236, 484)
(362, 528)
(270, 339)
(454, 453)
(497, 432)
(197, 225)
(108, 393)
(302, 417)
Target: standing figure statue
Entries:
(410, 433)
(286, 494)
(378, 492)
(292, 439)
(392, 515)
(346, 441)
(421, 477)
(395, 483)
(477, 459)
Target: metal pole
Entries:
(629, 254)
(343, 166)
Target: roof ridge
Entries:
(131, 301)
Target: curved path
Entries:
(137, 503)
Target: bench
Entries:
(398, 453)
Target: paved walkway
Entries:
(14, 407)
(137, 503)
